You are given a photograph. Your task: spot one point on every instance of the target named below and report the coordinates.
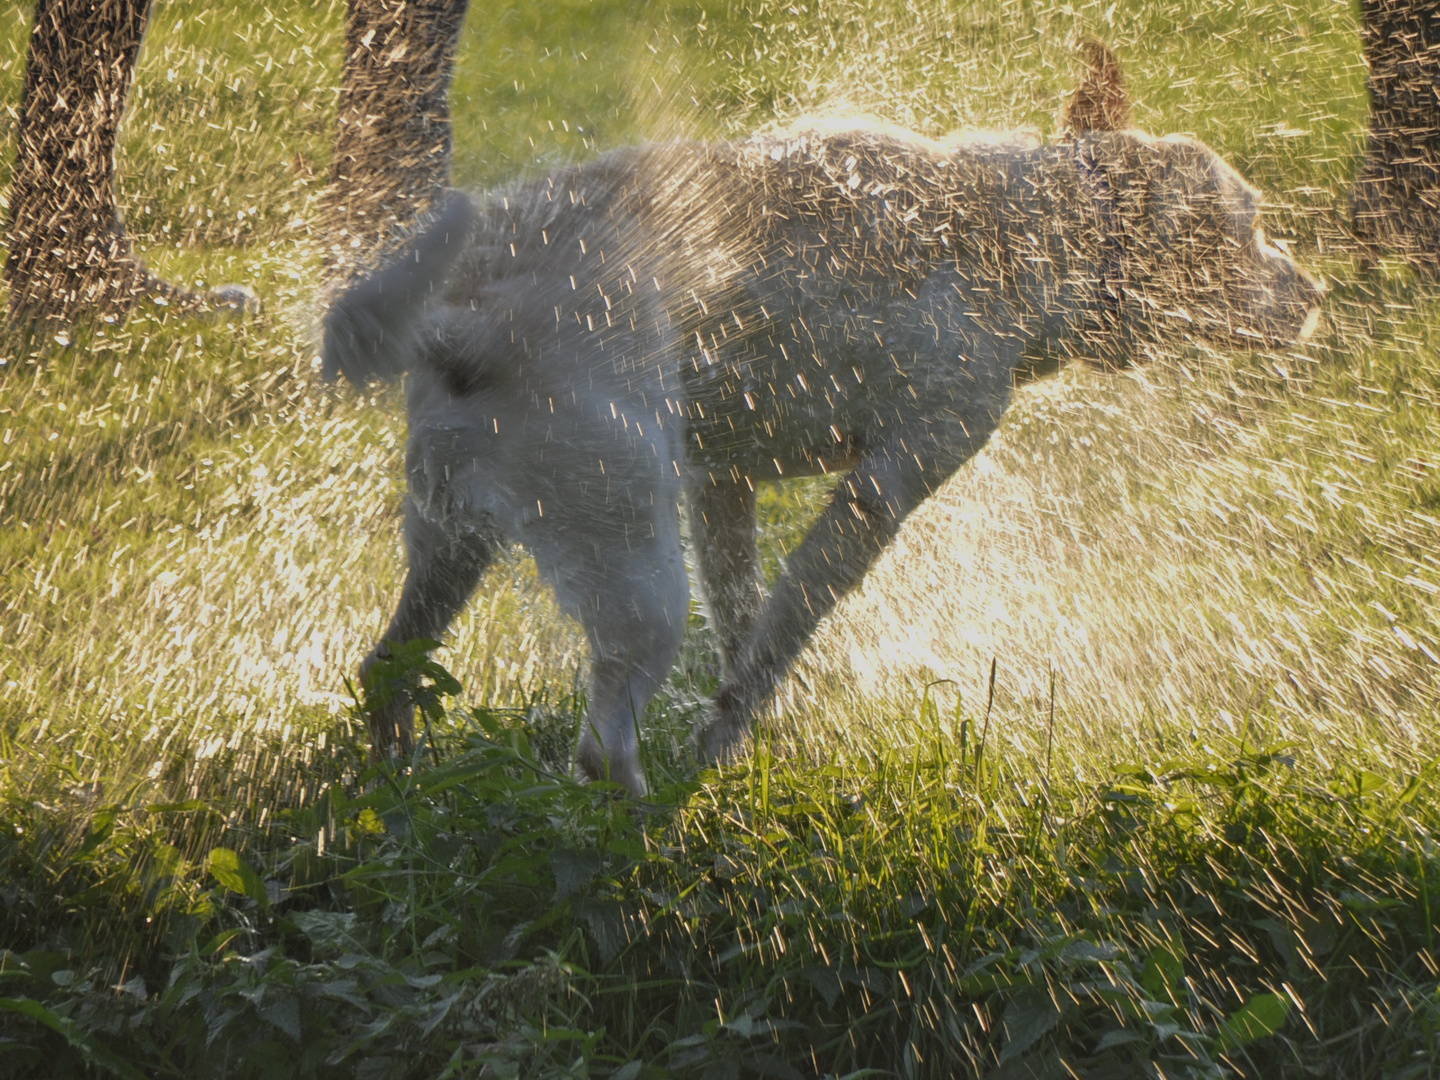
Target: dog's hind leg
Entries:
(445, 567)
(632, 597)
(722, 513)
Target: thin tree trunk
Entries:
(392, 143)
(68, 252)
(1397, 197)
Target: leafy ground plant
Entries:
(942, 911)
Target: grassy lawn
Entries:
(1187, 828)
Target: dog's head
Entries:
(1180, 248)
(1196, 259)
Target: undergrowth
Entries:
(942, 910)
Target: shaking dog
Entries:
(587, 349)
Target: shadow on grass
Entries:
(938, 911)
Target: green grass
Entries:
(951, 909)
(1199, 839)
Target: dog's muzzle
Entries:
(1284, 303)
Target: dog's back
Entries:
(789, 224)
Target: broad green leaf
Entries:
(1411, 790)
(825, 982)
(573, 870)
(1164, 972)
(1029, 1017)
(1116, 1037)
(220, 940)
(235, 874)
(335, 931)
(1262, 1015)
(282, 1010)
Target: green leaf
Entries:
(99, 830)
(825, 982)
(1164, 973)
(605, 920)
(1116, 1037)
(96, 1055)
(1367, 782)
(573, 870)
(409, 670)
(1089, 952)
(1262, 1015)
(990, 981)
(282, 1011)
(1029, 1017)
(235, 874)
(220, 940)
(186, 807)
(1357, 783)
(331, 931)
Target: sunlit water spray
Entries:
(1207, 539)
(1179, 554)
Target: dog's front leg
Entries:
(863, 517)
(865, 513)
(445, 566)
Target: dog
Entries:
(676, 322)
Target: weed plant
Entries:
(945, 910)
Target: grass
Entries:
(1188, 830)
(950, 909)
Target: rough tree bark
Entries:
(69, 255)
(392, 142)
(1397, 197)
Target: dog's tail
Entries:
(371, 329)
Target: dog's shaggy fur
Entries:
(688, 320)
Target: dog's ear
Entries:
(1100, 102)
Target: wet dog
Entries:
(681, 322)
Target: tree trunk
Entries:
(69, 255)
(1397, 197)
(392, 143)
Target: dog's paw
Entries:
(719, 738)
(592, 764)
